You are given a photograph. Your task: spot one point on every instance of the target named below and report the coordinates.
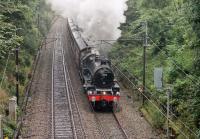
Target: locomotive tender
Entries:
(95, 71)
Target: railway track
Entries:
(112, 127)
(119, 126)
(66, 118)
(49, 114)
(108, 125)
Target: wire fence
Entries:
(4, 71)
(154, 101)
(3, 119)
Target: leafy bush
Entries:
(158, 119)
(8, 128)
(19, 28)
(174, 36)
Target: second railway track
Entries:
(66, 118)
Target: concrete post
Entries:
(13, 108)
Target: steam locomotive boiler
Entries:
(95, 71)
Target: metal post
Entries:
(144, 60)
(1, 131)
(38, 20)
(168, 108)
(45, 42)
(17, 74)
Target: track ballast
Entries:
(66, 120)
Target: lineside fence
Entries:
(29, 84)
(135, 85)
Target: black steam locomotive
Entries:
(95, 71)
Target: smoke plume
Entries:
(99, 19)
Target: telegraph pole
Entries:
(144, 60)
(17, 73)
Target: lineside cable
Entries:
(156, 100)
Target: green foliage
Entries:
(174, 39)
(20, 26)
(23, 24)
(8, 38)
(158, 119)
(8, 128)
(155, 116)
(155, 4)
(195, 21)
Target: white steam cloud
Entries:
(99, 19)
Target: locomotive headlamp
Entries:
(104, 93)
(89, 92)
(93, 99)
(115, 99)
(118, 93)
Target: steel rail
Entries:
(100, 127)
(68, 91)
(74, 97)
(65, 113)
(120, 127)
(52, 97)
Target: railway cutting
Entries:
(60, 107)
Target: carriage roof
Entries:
(77, 35)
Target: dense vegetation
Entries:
(23, 24)
(174, 45)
